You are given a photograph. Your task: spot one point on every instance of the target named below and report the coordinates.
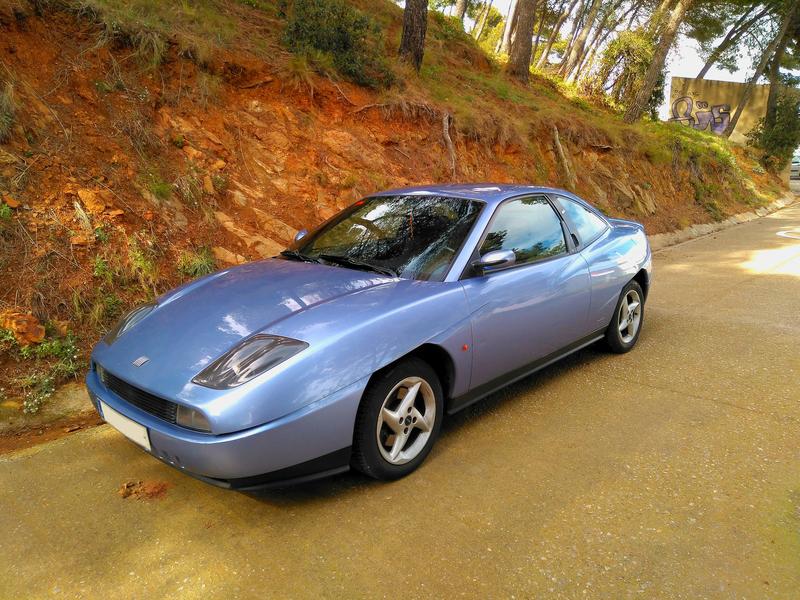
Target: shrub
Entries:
(197, 264)
(779, 141)
(348, 36)
(55, 358)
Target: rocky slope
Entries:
(120, 180)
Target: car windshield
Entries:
(411, 236)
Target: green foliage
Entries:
(197, 263)
(141, 262)
(220, 182)
(449, 28)
(100, 234)
(64, 349)
(8, 107)
(706, 195)
(158, 187)
(625, 62)
(102, 270)
(37, 387)
(55, 359)
(779, 142)
(348, 36)
(5, 212)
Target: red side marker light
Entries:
(465, 347)
(359, 203)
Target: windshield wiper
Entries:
(355, 263)
(295, 255)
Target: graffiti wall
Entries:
(707, 105)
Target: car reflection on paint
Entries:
(350, 347)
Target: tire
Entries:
(377, 451)
(621, 340)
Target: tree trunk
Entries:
(602, 31)
(576, 52)
(634, 13)
(769, 52)
(597, 43)
(461, 9)
(656, 66)
(539, 30)
(484, 20)
(736, 32)
(519, 61)
(576, 23)
(562, 16)
(587, 60)
(775, 83)
(654, 26)
(415, 25)
(505, 41)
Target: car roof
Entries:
(491, 193)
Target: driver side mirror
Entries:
(300, 235)
(495, 259)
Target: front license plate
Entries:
(130, 429)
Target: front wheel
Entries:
(398, 420)
(625, 326)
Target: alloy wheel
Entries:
(406, 420)
(630, 316)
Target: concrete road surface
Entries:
(670, 472)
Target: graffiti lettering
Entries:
(716, 119)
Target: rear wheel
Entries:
(623, 331)
(398, 420)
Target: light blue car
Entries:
(349, 348)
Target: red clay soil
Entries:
(117, 172)
(32, 436)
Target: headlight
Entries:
(128, 321)
(249, 359)
(191, 418)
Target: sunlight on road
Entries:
(784, 260)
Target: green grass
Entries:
(146, 25)
(5, 212)
(142, 265)
(197, 263)
(158, 187)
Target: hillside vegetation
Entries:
(145, 143)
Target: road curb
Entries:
(661, 241)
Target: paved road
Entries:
(672, 471)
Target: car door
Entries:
(523, 313)
(603, 257)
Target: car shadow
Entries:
(353, 481)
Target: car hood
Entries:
(196, 323)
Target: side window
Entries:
(528, 226)
(585, 223)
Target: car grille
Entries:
(158, 407)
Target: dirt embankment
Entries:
(123, 180)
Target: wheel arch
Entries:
(439, 360)
(643, 279)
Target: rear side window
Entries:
(528, 226)
(584, 222)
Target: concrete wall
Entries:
(708, 104)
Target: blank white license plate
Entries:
(130, 429)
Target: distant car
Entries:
(350, 347)
(794, 172)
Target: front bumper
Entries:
(312, 441)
